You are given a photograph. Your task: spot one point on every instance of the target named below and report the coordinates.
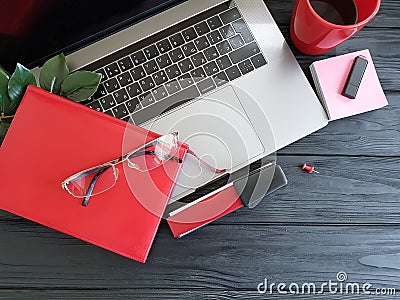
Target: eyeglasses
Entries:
(99, 179)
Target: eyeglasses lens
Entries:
(151, 157)
(95, 181)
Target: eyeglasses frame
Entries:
(113, 164)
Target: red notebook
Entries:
(52, 138)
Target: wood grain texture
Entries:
(200, 294)
(308, 231)
(375, 133)
(348, 190)
(227, 257)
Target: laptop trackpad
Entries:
(217, 129)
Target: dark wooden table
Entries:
(315, 227)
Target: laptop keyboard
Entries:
(182, 63)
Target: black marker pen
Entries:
(355, 77)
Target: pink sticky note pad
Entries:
(331, 75)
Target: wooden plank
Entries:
(228, 257)
(388, 16)
(348, 190)
(306, 232)
(375, 133)
(163, 294)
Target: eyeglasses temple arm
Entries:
(136, 154)
(85, 201)
(215, 170)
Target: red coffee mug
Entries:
(313, 35)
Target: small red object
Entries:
(309, 169)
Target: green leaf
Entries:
(80, 85)
(4, 101)
(53, 73)
(18, 83)
(3, 130)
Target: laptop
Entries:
(218, 72)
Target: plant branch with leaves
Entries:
(54, 77)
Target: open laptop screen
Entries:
(33, 31)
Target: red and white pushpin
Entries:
(309, 169)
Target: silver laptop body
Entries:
(236, 122)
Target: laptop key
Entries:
(201, 28)
(103, 74)
(211, 68)
(133, 105)
(95, 105)
(227, 31)
(134, 89)
(112, 70)
(126, 119)
(214, 37)
(189, 49)
(125, 64)
(165, 105)
(107, 102)
(173, 87)
(185, 65)
(177, 40)
(244, 53)
(176, 55)
(151, 52)
(214, 22)
(185, 80)
(150, 67)
(206, 86)
(124, 79)
(201, 43)
(160, 77)
(111, 85)
(224, 47)
(109, 112)
(160, 93)
(138, 73)
(211, 53)
(236, 41)
(230, 15)
(138, 58)
(233, 72)
(246, 66)
(198, 59)
(121, 96)
(163, 61)
(101, 92)
(164, 46)
(189, 34)
(198, 74)
(258, 61)
(173, 71)
(147, 84)
(120, 111)
(220, 79)
(242, 28)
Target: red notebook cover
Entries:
(52, 138)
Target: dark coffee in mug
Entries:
(339, 12)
